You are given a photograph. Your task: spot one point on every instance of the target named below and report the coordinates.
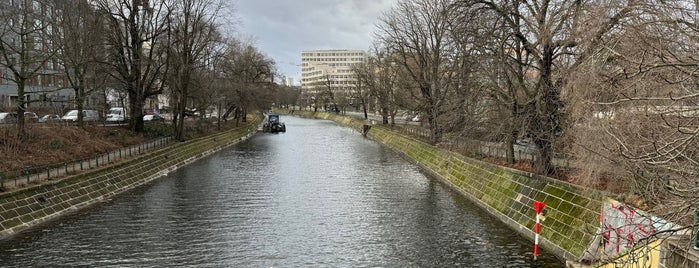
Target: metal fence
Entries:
(48, 172)
(482, 148)
(522, 153)
(415, 132)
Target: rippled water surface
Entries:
(319, 195)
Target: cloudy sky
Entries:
(283, 28)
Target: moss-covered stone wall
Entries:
(27, 207)
(572, 213)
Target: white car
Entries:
(88, 116)
(116, 114)
(8, 118)
(49, 118)
(152, 117)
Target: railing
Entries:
(54, 171)
(522, 153)
(414, 131)
(482, 148)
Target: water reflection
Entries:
(318, 195)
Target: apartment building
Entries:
(329, 71)
(28, 57)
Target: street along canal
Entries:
(319, 195)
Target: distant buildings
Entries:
(287, 81)
(27, 53)
(327, 76)
(31, 59)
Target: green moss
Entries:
(565, 207)
(580, 200)
(552, 223)
(576, 212)
(590, 216)
(567, 220)
(553, 202)
(567, 244)
(539, 196)
(554, 191)
(555, 237)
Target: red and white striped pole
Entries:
(539, 207)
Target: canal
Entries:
(319, 195)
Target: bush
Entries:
(158, 130)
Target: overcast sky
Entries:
(283, 28)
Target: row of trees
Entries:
(613, 83)
(143, 48)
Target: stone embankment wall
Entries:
(30, 206)
(572, 213)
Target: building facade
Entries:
(327, 77)
(29, 59)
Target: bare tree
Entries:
(642, 94)
(474, 61)
(361, 73)
(25, 48)
(192, 29)
(288, 96)
(417, 35)
(137, 44)
(416, 32)
(250, 74)
(556, 37)
(78, 35)
(327, 91)
(379, 76)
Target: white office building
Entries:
(324, 71)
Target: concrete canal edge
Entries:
(30, 206)
(572, 217)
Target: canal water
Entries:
(319, 195)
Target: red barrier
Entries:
(539, 207)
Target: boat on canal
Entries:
(272, 124)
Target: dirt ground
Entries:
(44, 144)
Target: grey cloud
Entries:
(285, 28)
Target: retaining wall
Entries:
(30, 206)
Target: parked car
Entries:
(88, 116)
(31, 117)
(525, 145)
(50, 118)
(116, 114)
(8, 118)
(152, 117)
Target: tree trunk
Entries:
(510, 149)
(547, 123)
(384, 115)
(20, 108)
(137, 102)
(542, 165)
(182, 108)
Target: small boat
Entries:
(272, 124)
